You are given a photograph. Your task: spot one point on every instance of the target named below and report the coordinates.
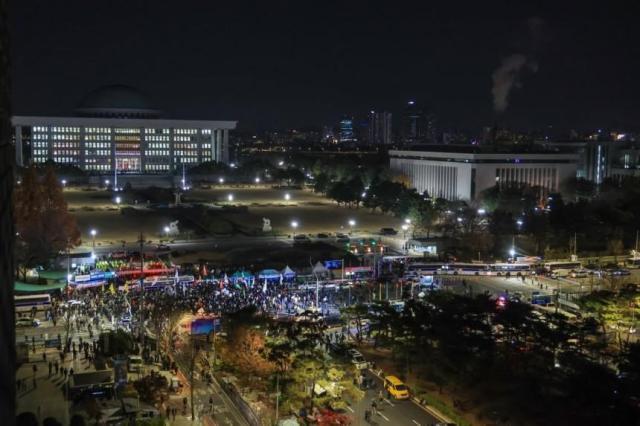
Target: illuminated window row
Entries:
(65, 152)
(40, 129)
(158, 145)
(37, 152)
(156, 153)
(127, 130)
(40, 159)
(42, 136)
(156, 167)
(64, 137)
(98, 137)
(183, 160)
(206, 131)
(66, 144)
(97, 130)
(156, 131)
(186, 145)
(186, 153)
(99, 152)
(185, 131)
(40, 144)
(98, 160)
(157, 138)
(66, 129)
(65, 159)
(97, 145)
(97, 167)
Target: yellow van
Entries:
(396, 388)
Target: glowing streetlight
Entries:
(280, 163)
(257, 180)
(405, 228)
(221, 180)
(407, 221)
(352, 223)
(481, 211)
(106, 182)
(287, 196)
(166, 231)
(64, 182)
(118, 200)
(93, 256)
(519, 222)
(93, 233)
(230, 197)
(294, 225)
(512, 252)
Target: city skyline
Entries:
(288, 66)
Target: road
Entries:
(390, 412)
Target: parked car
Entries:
(322, 236)
(388, 231)
(359, 362)
(301, 239)
(27, 322)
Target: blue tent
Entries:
(288, 273)
(269, 274)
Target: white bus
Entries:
(41, 302)
(465, 269)
(416, 270)
(553, 266)
(512, 268)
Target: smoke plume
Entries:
(508, 75)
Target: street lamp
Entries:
(230, 197)
(166, 231)
(287, 196)
(118, 200)
(294, 225)
(106, 182)
(93, 237)
(481, 211)
(407, 221)
(221, 180)
(257, 180)
(64, 182)
(512, 252)
(352, 223)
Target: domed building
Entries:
(117, 130)
(117, 101)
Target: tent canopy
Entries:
(320, 269)
(21, 287)
(288, 272)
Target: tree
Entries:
(7, 231)
(321, 183)
(43, 223)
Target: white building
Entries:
(463, 172)
(116, 127)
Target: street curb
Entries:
(435, 413)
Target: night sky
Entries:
(277, 64)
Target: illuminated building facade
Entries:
(117, 129)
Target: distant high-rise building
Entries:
(346, 130)
(417, 125)
(379, 128)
